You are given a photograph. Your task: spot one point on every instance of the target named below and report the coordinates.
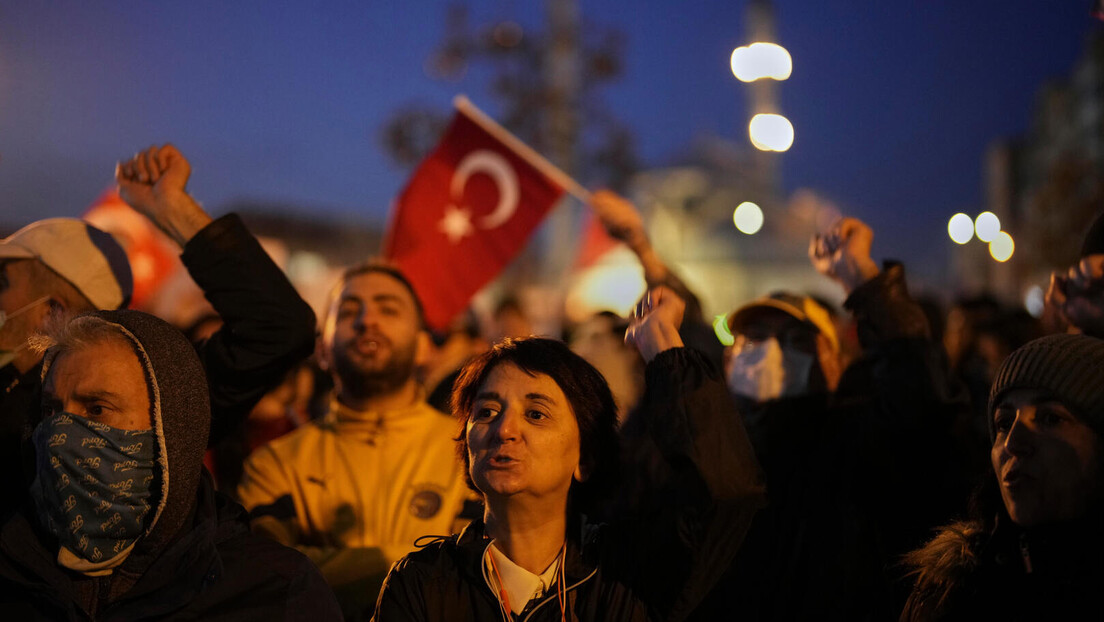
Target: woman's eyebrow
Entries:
(539, 397)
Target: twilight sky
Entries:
(893, 103)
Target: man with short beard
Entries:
(355, 489)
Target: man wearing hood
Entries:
(61, 267)
(122, 522)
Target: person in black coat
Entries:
(122, 522)
(539, 442)
(859, 462)
(70, 267)
(1034, 548)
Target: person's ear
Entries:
(582, 472)
(323, 345)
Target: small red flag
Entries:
(469, 208)
(153, 257)
(596, 243)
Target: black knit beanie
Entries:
(1068, 367)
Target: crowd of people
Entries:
(826, 464)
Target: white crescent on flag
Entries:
(499, 170)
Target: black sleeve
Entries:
(267, 327)
(884, 310)
(674, 558)
(902, 368)
(401, 599)
(902, 405)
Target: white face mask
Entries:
(765, 371)
(7, 356)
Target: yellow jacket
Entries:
(358, 480)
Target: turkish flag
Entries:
(469, 208)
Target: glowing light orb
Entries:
(748, 218)
(961, 228)
(771, 132)
(1035, 301)
(761, 60)
(987, 226)
(1002, 247)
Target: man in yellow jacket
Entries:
(355, 489)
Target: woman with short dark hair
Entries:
(539, 442)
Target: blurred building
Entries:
(313, 251)
(689, 210)
(1046, 186)
(689, 207)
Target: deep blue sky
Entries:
(893, 103)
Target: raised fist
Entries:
(843, 253)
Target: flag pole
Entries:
(525, 152)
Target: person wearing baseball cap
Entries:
(785, 345)
(52, 265)
(1033, 547)
(49, 270)
(843, 500)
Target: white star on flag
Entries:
(456, 224)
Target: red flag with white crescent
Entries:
(469, 209)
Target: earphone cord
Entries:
(503, 597)
(561, 589)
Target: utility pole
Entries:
(561, 126)
(762, 95)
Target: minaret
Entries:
(762, 97)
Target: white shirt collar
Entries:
(520, 584)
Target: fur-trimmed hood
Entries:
(945, 563)
(946, 559)
(970, 571)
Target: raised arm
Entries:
(268, 327)
(1076, 297)
(622, 222)
(898, 401)
(878, 298)
(843, 254)
(674, 558)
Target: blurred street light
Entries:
(748, 218)
(1002, 247)
(961, 228)
(761, 60)
(1035, 301)
(771, 132)
(987, 226)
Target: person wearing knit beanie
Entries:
(1035, 551)
(1047, 422)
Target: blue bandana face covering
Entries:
(92, 489)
